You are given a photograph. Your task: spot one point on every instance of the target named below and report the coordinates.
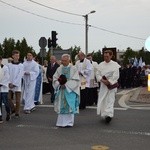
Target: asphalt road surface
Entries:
(129, 130)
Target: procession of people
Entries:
(72, 87)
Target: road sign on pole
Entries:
(42, 42)
(42, 52)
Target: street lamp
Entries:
(86, 30)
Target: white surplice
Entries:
(16, 74)
(29, 83)
(106, 97)
(85, 68)
(4, 80)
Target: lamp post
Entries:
(86, 30)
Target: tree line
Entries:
(9, 44)
(130, 54)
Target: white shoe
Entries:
(27, 111)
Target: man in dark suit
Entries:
(51, 69)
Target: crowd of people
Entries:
(133, 76)
(72, 87)
(18, 81)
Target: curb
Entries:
(141, 95)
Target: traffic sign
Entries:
(42, 42)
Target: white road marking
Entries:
(89, 107)
(102, 130)
(46, 106)
(35, 126)
(127, 132)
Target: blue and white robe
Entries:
(66, 99)
(38, 86)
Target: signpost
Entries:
(42, 44)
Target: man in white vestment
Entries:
(66, 83)
(4, 81)
(31, 71)
(15, 83)
(84, 68)
(92, 89)
(107, 75)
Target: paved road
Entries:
(129, 130)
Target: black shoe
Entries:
(36, 103)
(8, 117)
(82, 107)
(17, 116)
(33, 109)
(107, 119)
(67, 126)
(13, 111)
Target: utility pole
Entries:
(86, 34)
(86, 30)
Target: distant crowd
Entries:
(131, 76)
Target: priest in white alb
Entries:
(84, 68)
(107, 75)
(31, 71)
(66, 83)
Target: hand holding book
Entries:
(109, 86)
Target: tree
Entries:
(59, 47)
(8, 47)
(145, 55)
(1, 50)
(97, 56)
(146, 58)
(24, 49)
(74, 52)
(128, 55)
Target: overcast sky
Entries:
(127, 17)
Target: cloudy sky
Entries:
(116, 23)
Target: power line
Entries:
(55, 9)
(70, 22)
(39, 15)
(88, 25)
(117, 33)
